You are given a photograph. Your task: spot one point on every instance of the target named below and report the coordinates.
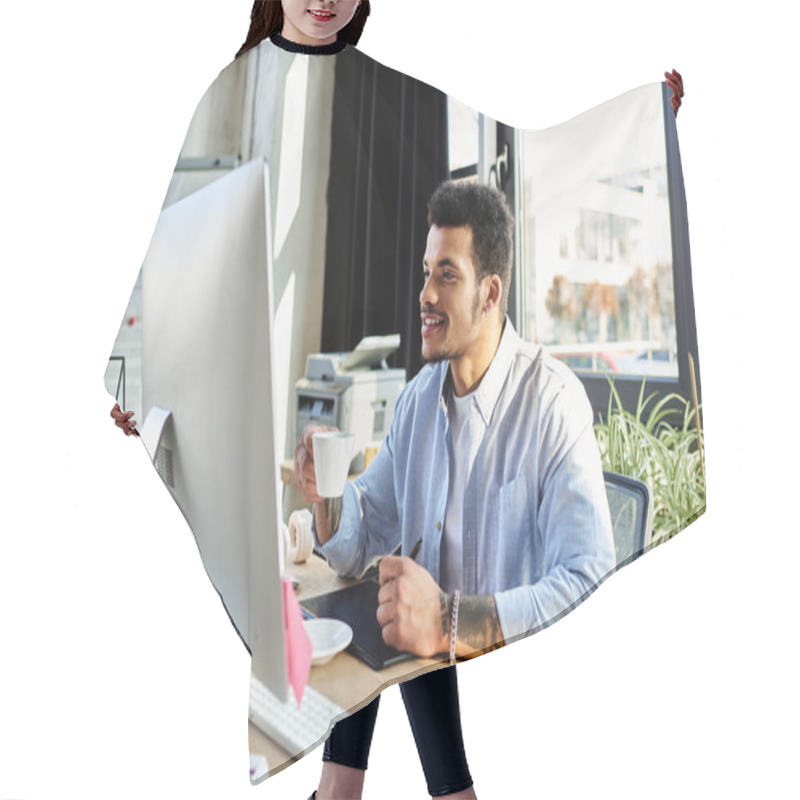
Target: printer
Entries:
(354, 392)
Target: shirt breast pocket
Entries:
(515, 530)
(514, 506)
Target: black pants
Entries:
(432, 706)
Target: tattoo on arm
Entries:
(333, 513)
(479, 624)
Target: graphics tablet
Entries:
(356, 605)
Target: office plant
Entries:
(656, 443)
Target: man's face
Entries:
(450, 300)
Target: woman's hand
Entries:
(124, 420)
(675, 82)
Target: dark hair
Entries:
(266, 18)
(485, 211)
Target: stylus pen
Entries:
(372, 572)
(413, 554)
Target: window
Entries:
(463, 129)
(596, 223)
(602, 274)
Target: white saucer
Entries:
(328, 637)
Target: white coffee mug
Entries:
(333, 451)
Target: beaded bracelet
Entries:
(454, 626)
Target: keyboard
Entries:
(294, 729)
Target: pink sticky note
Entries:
(298, 645)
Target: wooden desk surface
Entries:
(345, 680)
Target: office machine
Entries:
(354, 392)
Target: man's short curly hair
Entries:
(485, 210)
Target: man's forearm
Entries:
(327, 517)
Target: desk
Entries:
(346, 680)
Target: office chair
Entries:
(631, 507)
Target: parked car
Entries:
(588, 362)
(659, 363)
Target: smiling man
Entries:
(491, 460)
(492, 465)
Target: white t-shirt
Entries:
(467, 432)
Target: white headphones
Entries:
(297, 537)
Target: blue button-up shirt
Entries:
(536, 525)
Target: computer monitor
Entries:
(208, 392)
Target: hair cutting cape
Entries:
(592, 449)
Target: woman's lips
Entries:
(321, 16)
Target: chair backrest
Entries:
(631, 507)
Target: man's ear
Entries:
(494, 294)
